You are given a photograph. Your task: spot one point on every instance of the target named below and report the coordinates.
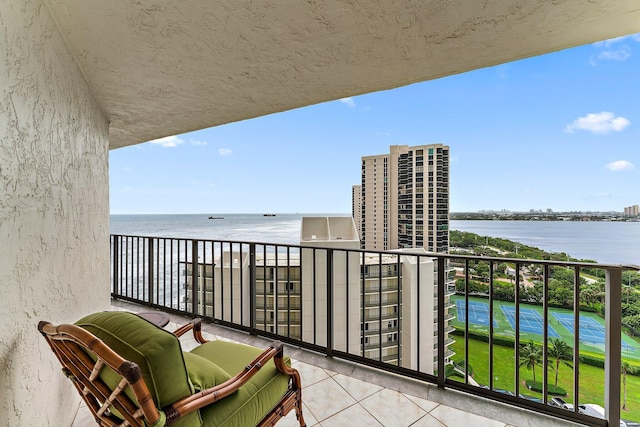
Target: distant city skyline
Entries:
(558, 131)
(548, 210)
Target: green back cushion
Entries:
(255, 399)
(157, 352)
(203, 373)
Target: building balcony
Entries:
(331, 309)
(336, 392)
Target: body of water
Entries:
(281, 228)
(605, 242)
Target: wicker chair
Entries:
(132, 373)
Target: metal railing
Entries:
(332, 292)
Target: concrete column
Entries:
(54, 211)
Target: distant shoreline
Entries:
(540, 216)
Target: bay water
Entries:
(604, 241)
(607, 242)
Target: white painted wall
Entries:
(338, 233)
(418, 309)
(54, 211)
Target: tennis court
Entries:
(590, 330)
(560, 324)
(530, 321)
(478, 313)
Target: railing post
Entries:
(329, 302)
(252, 288)
(441, 314)
(576, 339)
(491, 331)
(399, 302)
(150, 256)
(115, 264)
(613, 345)
(194, 278)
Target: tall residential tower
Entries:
(405, 199)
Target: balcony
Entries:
(71, 94)
(333, 308)
(336, 392)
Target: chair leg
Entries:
(299, 408)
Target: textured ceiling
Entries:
(160, 68)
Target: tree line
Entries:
(531, 290)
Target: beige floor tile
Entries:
(330, 372)
(326, 398)
(427, 405)
(354, 415)
(291, 421)
(429, 421)
(216, 337)
(392, 408)
(84, 417)
(310, 374)
(455, 417)
(356, 388)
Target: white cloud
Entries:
(168, 141)
(621, 54)
(620, 165)
(603, 122)
(349, 102)
(224, 152)
(194, 142)
(610, 42)
(615, 49)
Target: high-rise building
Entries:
(405, 199)
(631, 210)
(376, 310)
(356, 207)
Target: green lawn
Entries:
(591, 378)
(504, 329)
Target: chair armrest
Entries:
(213, 394)
(196, 326)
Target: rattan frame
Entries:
(73, 346)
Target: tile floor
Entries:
(337, 393)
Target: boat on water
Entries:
(216, 217)
(268, 214)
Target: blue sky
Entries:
(559, 131)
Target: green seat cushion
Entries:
(157, 352)
(203, 373)
(252, 401)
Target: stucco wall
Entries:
(54, 213)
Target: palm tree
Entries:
(561, 353)
(626, 368)
(589, 295)
(530, 356)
